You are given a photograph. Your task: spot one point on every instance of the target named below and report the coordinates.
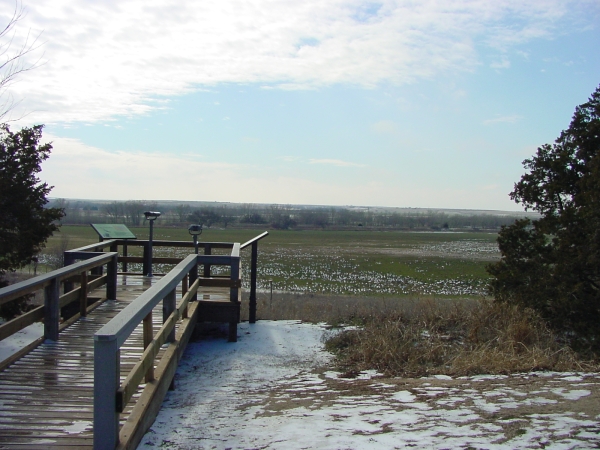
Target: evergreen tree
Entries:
(25, 225)
(553, 264)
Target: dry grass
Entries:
(419, 337)
(334, 309)
(480, 338)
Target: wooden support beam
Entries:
(83, 294)
(148, 335)
(51, 310)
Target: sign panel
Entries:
(112, 231)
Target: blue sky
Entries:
(430, 104)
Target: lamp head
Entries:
(195, 230)
(152, 215)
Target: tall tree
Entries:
(552, 264)
(205, 216)
(134, 211)
(25, 225)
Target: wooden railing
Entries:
(84, 268)
(53, 301)
(146, 259)
(253, 272)
(110, 397)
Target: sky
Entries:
(430, 103)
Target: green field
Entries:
(370, 263)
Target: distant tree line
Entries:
(281, 217)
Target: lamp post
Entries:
(151, 216)
(195, 231)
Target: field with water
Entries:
(371, 263)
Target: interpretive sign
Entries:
(112, 231)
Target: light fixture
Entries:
(152, 215)
(195, 230)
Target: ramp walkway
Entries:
(96, 380)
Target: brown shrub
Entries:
(425, 336)
(454, 339)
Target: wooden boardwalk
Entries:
(46, 397)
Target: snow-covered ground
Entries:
(272, 389)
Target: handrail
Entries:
(145, 366)
(53, 301)
(113, 335)
(109, 396)
(155, 243)
(22, 288)
(253, 240)
(253, 274)
(123, 324)
(147, 259)
(92, 247)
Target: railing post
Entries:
(83, 294)
(235, 276)
(169, 305)
(106, 384)
(97, 270)
(111, 278)
(233, 296)
(51, 310)
(124, 256)
(148, 336)
(147, 259)
(184, 289)
(253, 266)
(193, 277)
(207, 251)
(67, 261)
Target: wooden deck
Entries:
(46, 397)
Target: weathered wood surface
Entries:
(46, 397)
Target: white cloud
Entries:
(504, 63)
(91, 172)
(121, 57)
(81, 171)
(335, 162)
(384, 127)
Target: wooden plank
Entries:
(73, 295)
(134, 378)
(35, 315)
(50, 387)
(22, 288)
(131, 383)
(16, 356)
(224, 311)
(146, 408)
(17, 324)
(155, 259)
(220, 282)
(253, 240)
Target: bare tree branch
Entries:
(12, 59)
